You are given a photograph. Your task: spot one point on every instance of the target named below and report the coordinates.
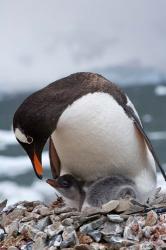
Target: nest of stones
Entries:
(119, 224)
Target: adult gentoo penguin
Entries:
(94, 128)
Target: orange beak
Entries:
(37, 166)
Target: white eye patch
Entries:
(22, 137)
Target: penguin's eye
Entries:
(29, 139)
(66, 184)
(22, 137)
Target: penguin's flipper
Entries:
(54, 160)
(130, 112)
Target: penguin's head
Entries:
(33, 124)
(65, 181)
(68, 186)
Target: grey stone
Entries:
(115, 218)
(64, 210)
(96, 235)
(41, 235)
(100, 246)
(163, 237)
(67, 222)
(95, 246)
(52, 248)
(54, 229)
(147, 231)
(31, 216)
(28, 246)
(68, 214)
(12, 228)
(69, 237)
(113, 239)
(134, 247)
(79, 220)
(42, 223)
(86, 228)
(151, 218)
(77, 223)
(147, 246)
(28, 218)
(38, 244)
(42, 210)
(89, 211)
(25, 225)
(10, 208)
(141, 221)
(152, 197)
(144, 246)
(16, 214)
(30, 231)
(110, 206)
(67, 248)
(133, 230)
(118, 242)
(3, 204)
(83, 247)
(2, 234)
(12, 248)
(123, 206)
(55, 241)
(54, 218)
(20, 206)
(39, 241)
(136, 219)
(112, 229)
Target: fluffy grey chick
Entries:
(110, 188)
(70, 188)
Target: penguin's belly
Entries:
(95, 138)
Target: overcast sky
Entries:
(42, 40)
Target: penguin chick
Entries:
(110, 188)
(70, 188)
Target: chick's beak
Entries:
(53, 183)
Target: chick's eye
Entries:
(66, 184)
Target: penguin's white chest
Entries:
(95, 137)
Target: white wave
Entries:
(157, 135)
(160, 90)
(13, 166)
(39, 190)
(7, 138)
(54, 39)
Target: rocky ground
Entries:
(119, 224)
